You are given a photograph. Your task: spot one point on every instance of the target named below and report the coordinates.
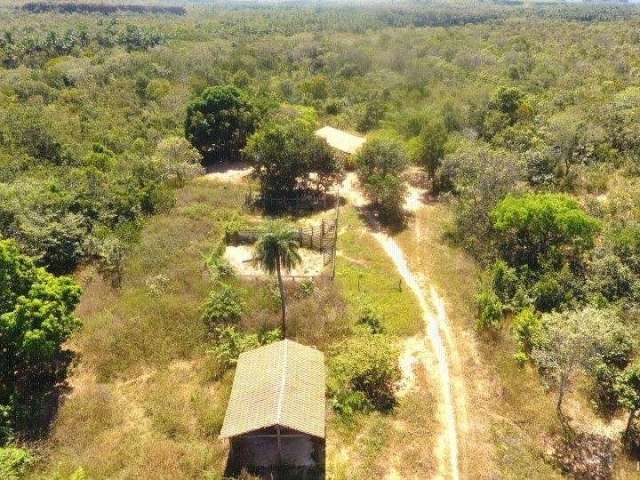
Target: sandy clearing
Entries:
(413, 351)
(414, 199)
(232, 173)
(240, 256)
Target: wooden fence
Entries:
(320, 237)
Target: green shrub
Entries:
(372, 320)
(363, 374)
(217, 264)
(609, 278)
(490, 309)
(306, 288)
(527, 328)
(111, 255)
(554, 289)
(505, 281)
(604, 389)
(230, 343)
(14, 463)
(614, 356)
(224, 306)
(348, 402)
(632, 437)
(626, 245)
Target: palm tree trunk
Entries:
(282, 300)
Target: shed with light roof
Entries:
(275, 418)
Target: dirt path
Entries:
(438, 335)
(448, 463)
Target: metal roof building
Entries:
(276, 411)
(341, 140)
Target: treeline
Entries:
(32, 48)
(264, 19)
(102, 8)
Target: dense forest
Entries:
(521, 121)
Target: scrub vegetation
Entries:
(121, 319)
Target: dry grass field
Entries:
(143, 402)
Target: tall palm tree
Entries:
(277, 249)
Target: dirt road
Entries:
(437, 339)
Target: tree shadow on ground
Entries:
(378, 222)
(41, 397)
(296, 206)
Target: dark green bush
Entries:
(505, 281)
(554, 290)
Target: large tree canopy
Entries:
(381, 161)
(36, 318)
(289, 159)
(219, 121)
(535, 229)
(429, 147)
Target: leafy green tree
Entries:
(219, 121)
(178, 160)
(570, 343)
(430, 146)
(479, 178)
(58, 242)
(381, 161)
(275, 250)
(537, 229)
(289, 159)
(36, 318)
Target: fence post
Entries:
(335, 236)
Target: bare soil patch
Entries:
(229, 173)
(240, 258)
